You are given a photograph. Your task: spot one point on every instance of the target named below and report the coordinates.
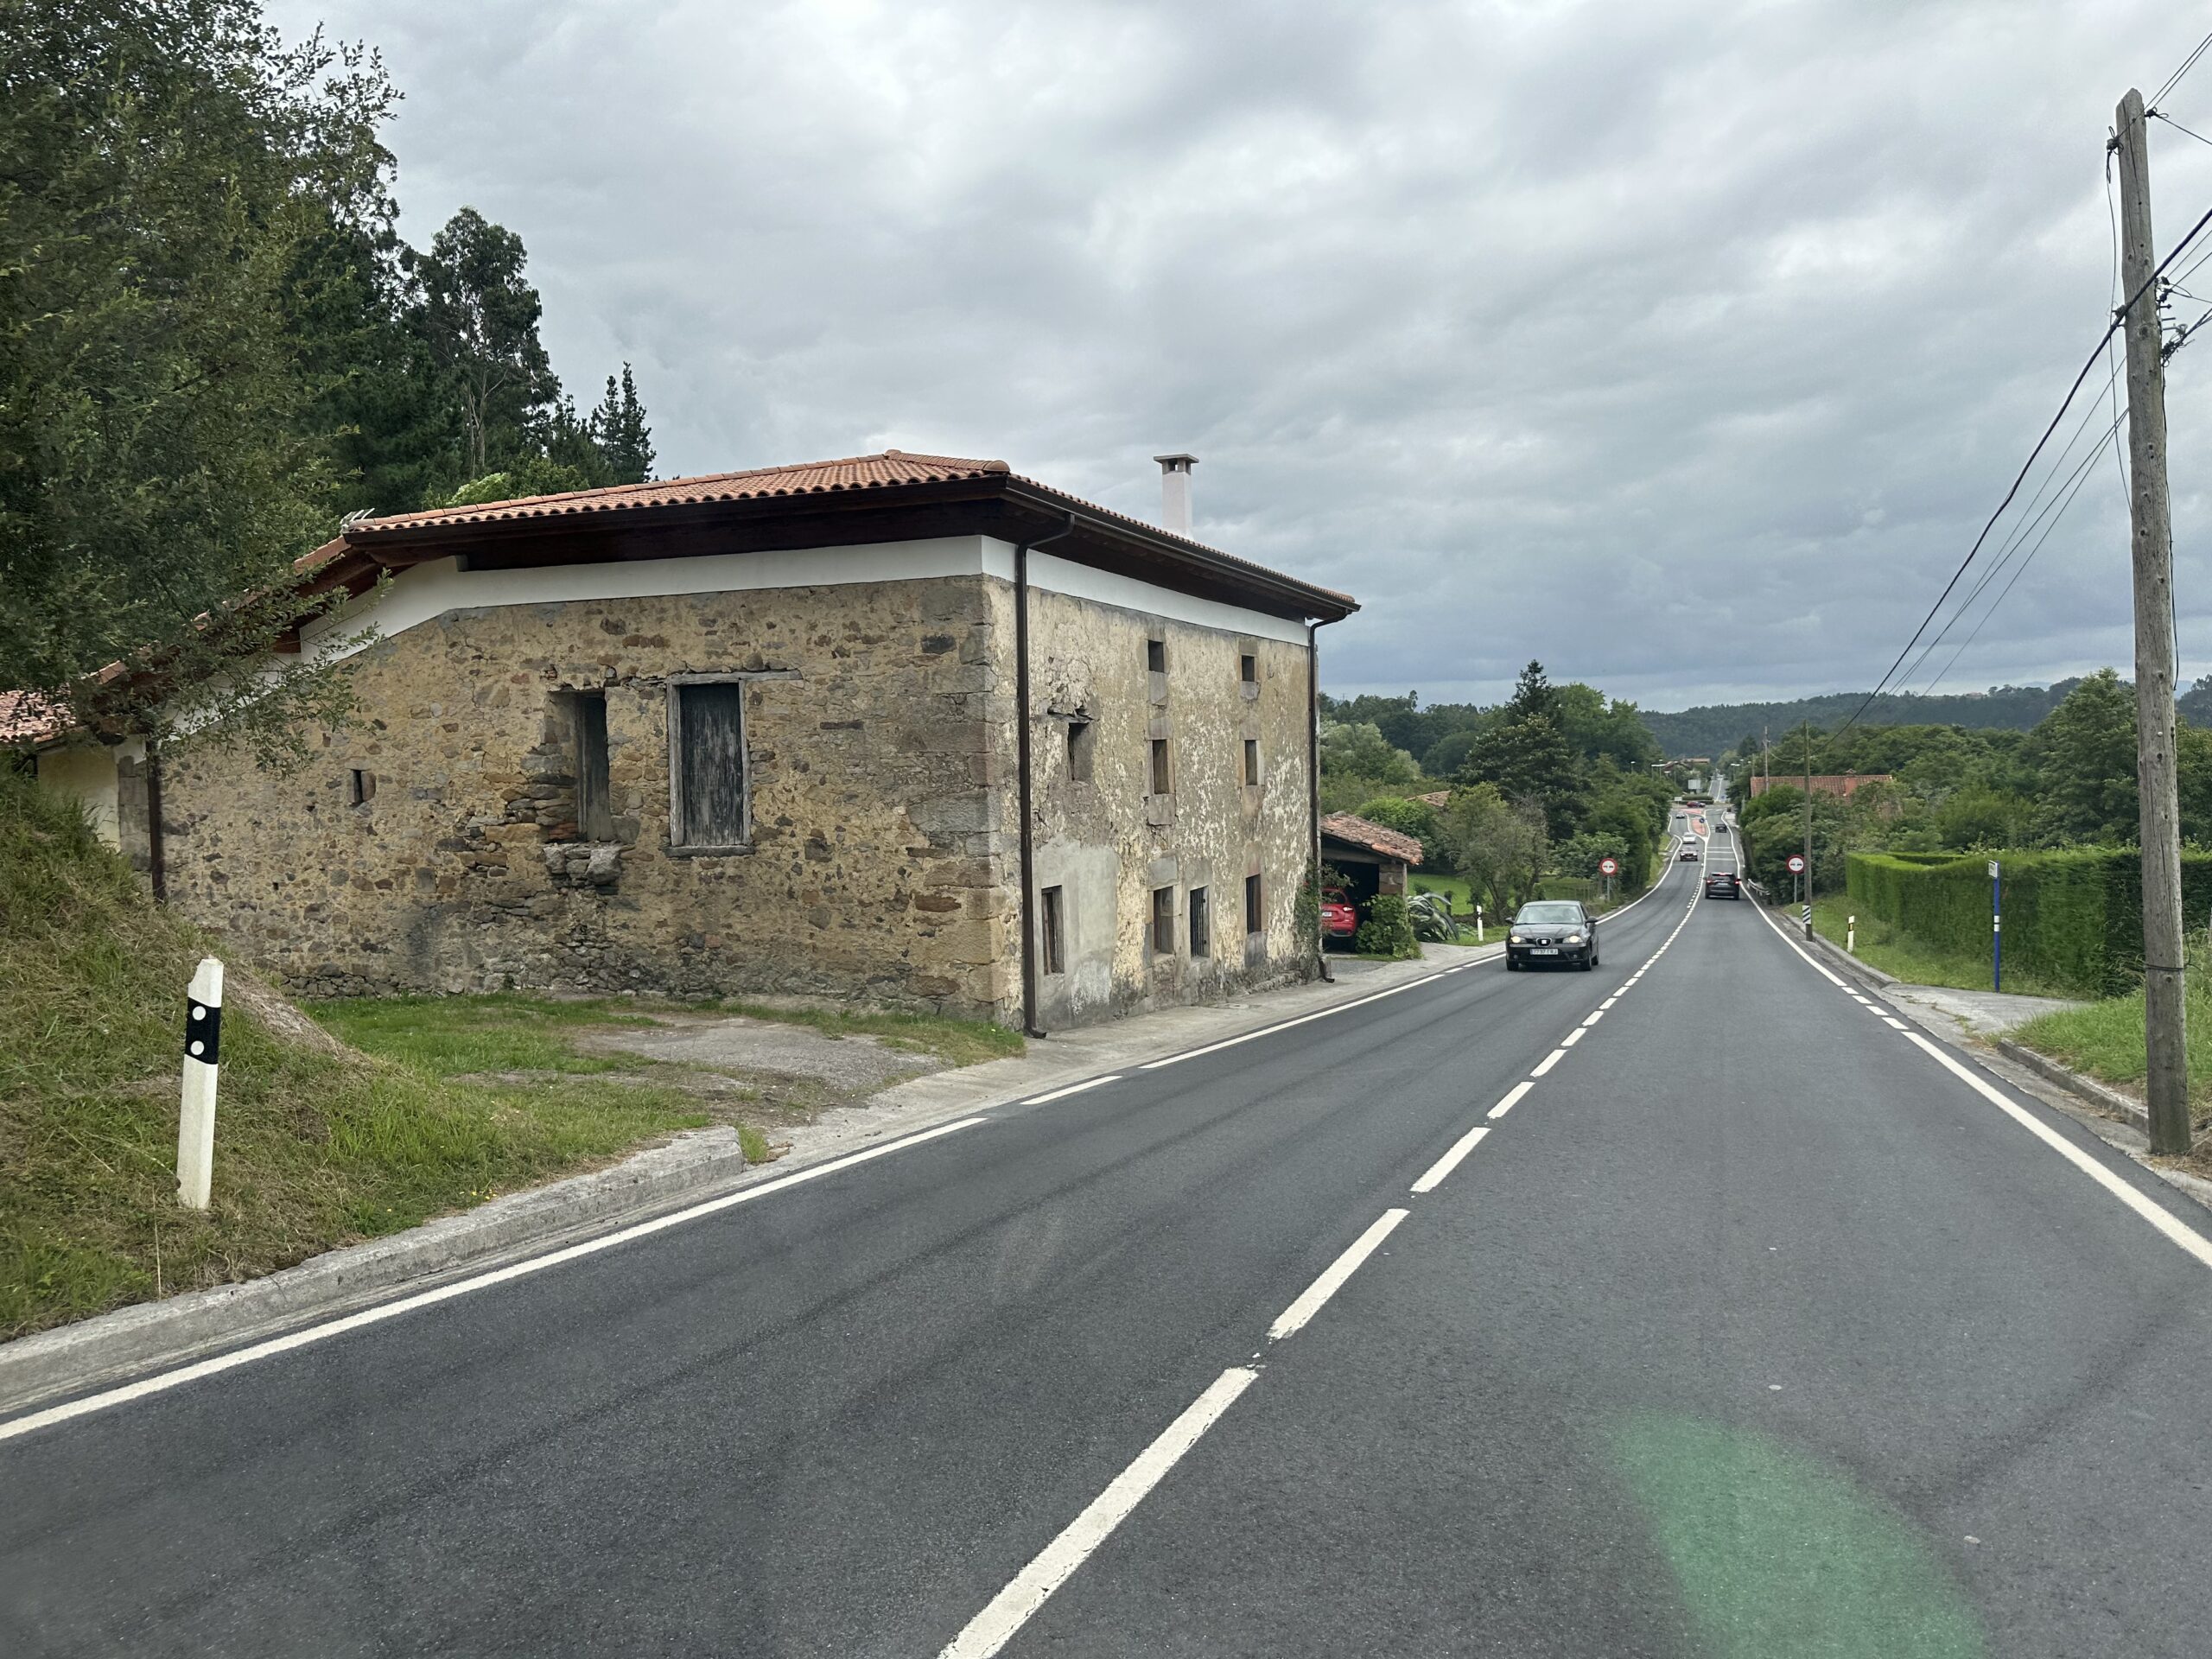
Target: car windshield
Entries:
(1546, 915)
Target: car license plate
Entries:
(1545, 951)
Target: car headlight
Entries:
(1574, 939)
(1514, 939)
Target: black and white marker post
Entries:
(196, 1125)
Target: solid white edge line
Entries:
(1311, 1300)
(1073, 1088)
(1513, 1098)
(1804, 955)
(1013, 1607)
(1548, 1062)
(1450, 1161)
(2178, 1232)
(1571, 1039)
(1303, 1019)
(162, 1383)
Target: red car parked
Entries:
(1338, 920)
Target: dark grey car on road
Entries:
(1552, 932)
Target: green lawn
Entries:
(1903, 956)
(2105, 1040)
(429, 1105)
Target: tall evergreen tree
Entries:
(619, 426)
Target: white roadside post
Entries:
(196, 1124)
(1850, 937)
(1478, 924)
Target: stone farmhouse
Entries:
(907, 728)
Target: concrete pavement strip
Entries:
(113, 1347)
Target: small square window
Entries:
(1155, 656)
(1201, 925)
(1256, 919)
(360, 787)
(1163, 782)
(1251, 760)
(1163, 921)
(1054, 951)
(1247, 668)
(1080, 744)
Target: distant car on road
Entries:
(1552, 932)
(1338, 920)
(1722, 884)
(1688, 856)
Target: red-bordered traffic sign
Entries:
(1609, 866)
(1797, 864)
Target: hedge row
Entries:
(2071, 918)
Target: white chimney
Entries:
(1175, 491)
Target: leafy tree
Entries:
(480, 319)
(1501, 848)
(1358, 761)
(165, 172)
(2085, 751)
(1409, 817)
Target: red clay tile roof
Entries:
(25, 719)
(1346, 826)
(893, 466)
(854, 473)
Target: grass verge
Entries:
(315, 1144)
(2105, 1039)
(1903, 956)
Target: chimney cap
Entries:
(1177, 463)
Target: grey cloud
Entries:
(1682, 345)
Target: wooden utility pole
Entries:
(1809, 829)
(2166, 1038)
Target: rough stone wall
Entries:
(1108, 843)
(882, 858)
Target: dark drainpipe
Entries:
(1022, 786)
(157, 869)
(1314, 784)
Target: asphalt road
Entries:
(1750, 1328)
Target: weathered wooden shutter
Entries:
(711, 765)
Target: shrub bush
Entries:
(2073, 917)
(1388, 929)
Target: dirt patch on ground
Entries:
(782, 1074)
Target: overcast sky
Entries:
(1682, 345)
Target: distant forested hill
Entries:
(1719, 727)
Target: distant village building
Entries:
(906, 728)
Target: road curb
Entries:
(147, 1336)
(1836, 954)
(153, 1336)
(2098, 1094)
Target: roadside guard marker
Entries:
(195, 1124)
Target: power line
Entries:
(2088, 362)
(2081, 478)
(2160, 115)
(2174, 79)
(2026, 528)
(2074, 483)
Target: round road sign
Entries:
(1608, 866)
(1797, 864)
